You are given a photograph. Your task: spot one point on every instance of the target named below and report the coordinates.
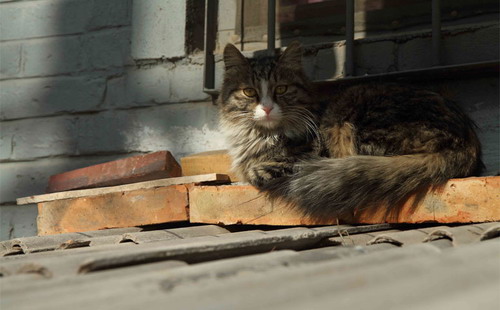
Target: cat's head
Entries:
(270, 94)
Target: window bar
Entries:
(271, 26)
(436, 32)
(349, 40)
(209, 46)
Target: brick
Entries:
(6, 145)
(187, 83)
(51, 56)
(152, 166)
(414, 54)
(10, 60)
(158, 29)
(110, 13)
(459, 201)
(208, 162)
(48, 96)
(110, 48)
(181, 128)
(144, 87)
(92, 192)
(241, 204)
(16, 222)
(159, 84)
(120, 128)
(58, 137)
(375, 57)
(34, 19)
(330, 63)
(10, 21)
(121, 209)
(474, 46)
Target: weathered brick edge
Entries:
(459, 201)
(121, 209)
(123, 171)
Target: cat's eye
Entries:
(250, 92)
(280, 90)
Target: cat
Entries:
(370, 144)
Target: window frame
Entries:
(436, 70)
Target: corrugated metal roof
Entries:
(209, 267)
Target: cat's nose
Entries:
(267, 110)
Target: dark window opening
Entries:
(195, 26)
(354, 23)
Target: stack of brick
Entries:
(205, 195)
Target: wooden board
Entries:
(213, 177)
(208, 162)
(157, 165)
(459, 201)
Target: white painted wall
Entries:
(84, 82)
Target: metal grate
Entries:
(437, 70)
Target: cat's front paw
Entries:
(259, 175)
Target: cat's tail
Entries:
(334, 186)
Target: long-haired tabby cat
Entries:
(370, 144)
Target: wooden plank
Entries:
(213, 177)
(459, 201)
(157, 165)
(208, 162)
(118, 209)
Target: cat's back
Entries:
(388, 103)
(390, 119)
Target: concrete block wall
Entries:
(84, 82)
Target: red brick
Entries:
(469, 200)
(459, 201)
(120, 209)
(241, 204)
(124, 171)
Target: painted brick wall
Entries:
(84, 82)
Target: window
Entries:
(325, 23)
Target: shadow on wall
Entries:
(73, 96)
(68, 51)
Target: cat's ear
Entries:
(292, 56)
(233, 57)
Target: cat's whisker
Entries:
(303, 120)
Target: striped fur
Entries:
(370, 144)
